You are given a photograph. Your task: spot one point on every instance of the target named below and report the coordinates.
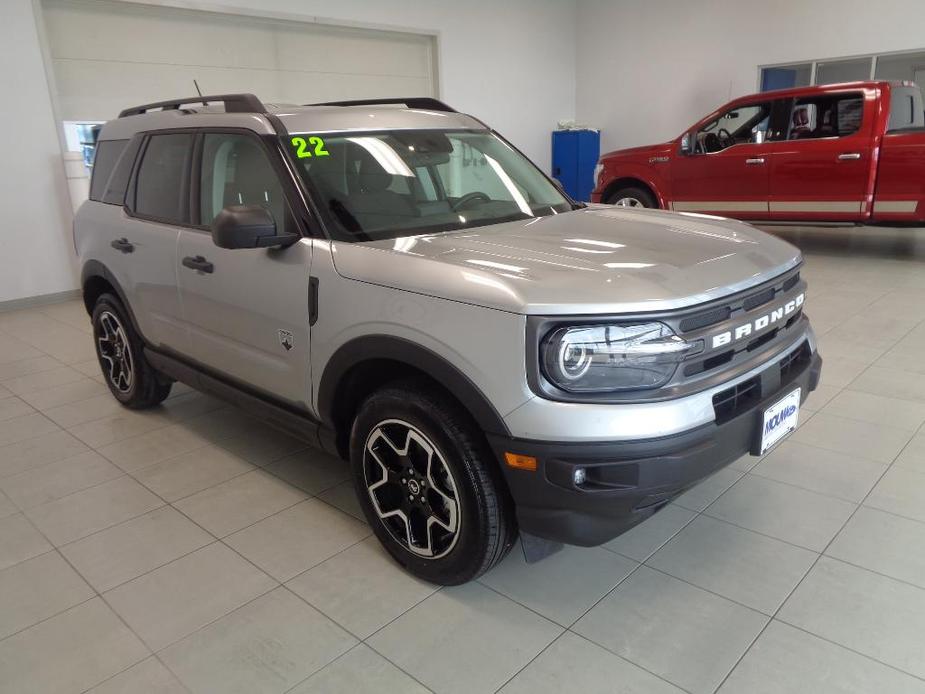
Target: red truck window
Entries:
(826, 116)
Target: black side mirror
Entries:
(248, 226)
(686, 143)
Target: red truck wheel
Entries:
(631, 197)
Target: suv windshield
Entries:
(386, 184)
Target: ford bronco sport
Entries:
(395, 282)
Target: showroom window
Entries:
(907, 66)
(159, 188)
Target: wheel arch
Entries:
(633, 182)
(95, 280)
(364, 364)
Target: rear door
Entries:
(247, 311)
(727, 171)
(145, 248)
(823, 169)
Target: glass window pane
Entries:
(906, 66)
(237, 171)
(786, 76)
(159, 189)
(835, 71)
(107, 154)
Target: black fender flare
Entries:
(94, 268)
(398, 349)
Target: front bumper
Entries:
(628, 481)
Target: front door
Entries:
(726, 172)
(822, 170)
(246, 310)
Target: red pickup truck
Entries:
(850, 152)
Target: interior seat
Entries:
(801, 125)
(371, 201)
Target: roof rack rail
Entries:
(234, 103)
(422, 102)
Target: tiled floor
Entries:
(164, 551)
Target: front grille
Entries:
(794, 362)
(791, 282)
(730, 402)
(759, 299)
(702, 320)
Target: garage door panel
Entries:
(106, 56)
(98, 90)
(340, 51)
(80, 31)
(306, 88)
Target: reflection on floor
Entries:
(189, 549)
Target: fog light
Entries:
(579, 476)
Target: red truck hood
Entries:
(641, 152)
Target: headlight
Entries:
(601, 358)
(598, 170)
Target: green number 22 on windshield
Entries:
(313, 147)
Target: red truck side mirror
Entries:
(686, 143)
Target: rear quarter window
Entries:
(108, 153)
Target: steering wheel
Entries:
(470, 198)
(725, 138)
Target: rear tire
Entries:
(120, 351)
(631, 196)
(429, 486)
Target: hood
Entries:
(596, 260)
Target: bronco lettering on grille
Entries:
(758, 324)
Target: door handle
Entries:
(849, 156)
(123, 245)
(754, 162)
(198, 263)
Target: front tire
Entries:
(119, 349)
(631, 196)
(429, 486)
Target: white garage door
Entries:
(110, 55)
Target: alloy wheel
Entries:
(411, 489)
(629, 202)
(115, 352)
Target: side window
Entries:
(237, 171)
(160, 184)
(747, 124)
(114, 191)
(104, 162)
(826, 116)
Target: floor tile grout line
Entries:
(850, 649)
(809, 571)
(764, 534)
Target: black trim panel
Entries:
(398, 349)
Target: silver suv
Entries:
(395, 282)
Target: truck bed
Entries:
(900, 189)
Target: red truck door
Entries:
(822, 169)
(726, 172)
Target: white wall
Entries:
(649, 69)
(36, 250)
(511, 63)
